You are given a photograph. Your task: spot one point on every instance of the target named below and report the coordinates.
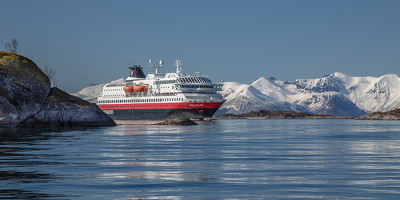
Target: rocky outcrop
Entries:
(229, 116)
(278, 114)
(178, 122)
(389, 115)
(23, 88)
(62, 109)
(27, 99)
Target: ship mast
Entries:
(157, 67)
(178, 68)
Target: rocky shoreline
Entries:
(64, 110)
(27, 99)
(265, 114)
(389, 115)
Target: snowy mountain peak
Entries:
(339, 75)
(270, 83)
(389, 78)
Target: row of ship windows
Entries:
(139, 100)
(178, 86)
(113, 90)
(198, 86)
(114, 95)
(121, 95)
(141, 106)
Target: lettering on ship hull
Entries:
(109, 112)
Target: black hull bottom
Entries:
(160, 114)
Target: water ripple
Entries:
(224, 159)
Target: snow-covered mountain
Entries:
(91, 92)
(336, 94)
(325, 95)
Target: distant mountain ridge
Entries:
(91, 92)
(336, 94)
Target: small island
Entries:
(278, 114)
(265, 114)
(389, 115)
(180, 121)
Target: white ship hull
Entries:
(161, 97)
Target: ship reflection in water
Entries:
(233, 159)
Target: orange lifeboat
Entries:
(140, 88)
(128, 89)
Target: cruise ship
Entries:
(161, 96)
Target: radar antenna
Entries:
(158, 66)
(178, 65)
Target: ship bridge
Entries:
(194, 79)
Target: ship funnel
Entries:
(136, 71)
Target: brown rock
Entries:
(23, 88)
(178, 122)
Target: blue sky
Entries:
(96, 41)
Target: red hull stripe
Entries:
(198, 105)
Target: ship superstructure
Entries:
(161, 96)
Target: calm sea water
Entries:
(222, 159)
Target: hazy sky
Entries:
(96, 41)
